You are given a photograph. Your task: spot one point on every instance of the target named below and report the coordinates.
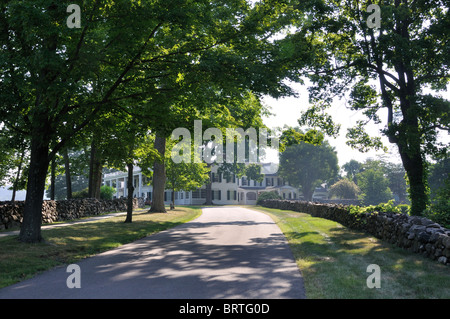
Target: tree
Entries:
(47, 72)
(253, 172)
(374, 187)
(344, 188)
(185, 176)
(267, 195)
(307, 166)
(352, 168)
(399, 67)
(13, 162)
(439, 176)
(56, 80)
(396, 175)
(439, 210)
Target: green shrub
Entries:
(267, 195)
(80, 194)
(388, 207)
(439, 210)
(106, 192)
(404, 208)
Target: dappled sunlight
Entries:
(237, 253)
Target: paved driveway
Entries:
(228, 252)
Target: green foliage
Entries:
(439, 176)
(374, 187)
(267, 195)
(253, 172)
(292, 136)
(84, 193)
(305, 165)
(439, 210)
(404, 208)
(344, 188)
(352, 168)
(106, 192)
(388, 207)
(391, 68)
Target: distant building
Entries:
(234, 191)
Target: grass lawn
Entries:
(333, 261)
(65, 245)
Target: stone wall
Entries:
(416, 234)
(52, 211)
(339, 201)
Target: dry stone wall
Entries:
(416, 234)
(52, 211)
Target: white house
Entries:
(235, 190)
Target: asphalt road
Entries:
(226, 253)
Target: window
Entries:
(216, 177)
(196, 193)
(216, 194)
(251, 196)
(187, 195)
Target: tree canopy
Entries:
(153, 66)
(307, 165)
(400, 67)
(160, 61)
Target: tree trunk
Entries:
(16, 181)
(30, 231)
(91, 170)
(173, 200)
(159, 177)
(415, 170)
(68, 178)
(52, 179)
(130, 188)
(95, 173)
(308, 192)
(98, 174)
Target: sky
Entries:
(286, 111)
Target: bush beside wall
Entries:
(416, 234)
(53, 211)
